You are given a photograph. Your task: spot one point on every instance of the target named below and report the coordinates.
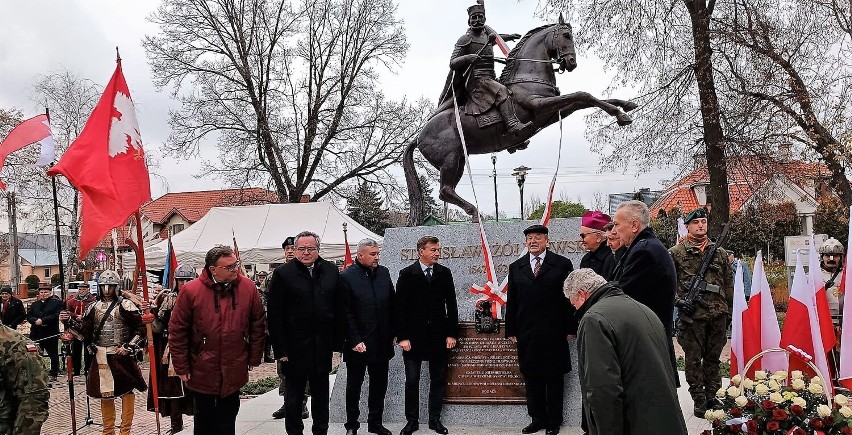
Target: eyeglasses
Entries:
(231, 267)
(583, 235)
(307, 249)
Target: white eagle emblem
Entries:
(124, 130)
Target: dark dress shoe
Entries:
(351, 431)
(379, 429)
(279, 414)
(552, 431)
(532, 428)
(410, 428)
(438, 427)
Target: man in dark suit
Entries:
(44, 321)
(646, 272)
(306, 327)
(368, 300)
(427, 327)
(540, 321)
(12, 311)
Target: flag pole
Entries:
(140, 265)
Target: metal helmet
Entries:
(109, 277)
(185, 271)
(832, 246)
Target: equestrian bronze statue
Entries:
(497, 114)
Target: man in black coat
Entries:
(306, 327)
(44, 323)
(12, 311)
(593, 237)
(427, 327)
(646, 271)
(368, 301)
(540, 321)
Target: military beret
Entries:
(695, 214)
(289, 241)
(6, 289)
(537, 229)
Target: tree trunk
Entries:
(713, 137)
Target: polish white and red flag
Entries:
(737, 314)
(35, 129)
(845, 373)
(760, 324)
(826, 327)
(801, 327)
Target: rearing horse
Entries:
(531, 80)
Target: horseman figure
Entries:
(473, 62)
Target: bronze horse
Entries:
(531, 79)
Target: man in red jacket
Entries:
(216, 334)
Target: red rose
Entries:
(828, 421)
(734, 428)
(798, 431)
(779, 414)
(750, 405)
(846, 430)
(706, 432)
(815, 424)
(736, 412)
(751, 425)
(767, 405)
(797, 410)
(773, 426)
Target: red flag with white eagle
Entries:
(35, 129)
(107, 164)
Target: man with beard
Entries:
(368, 300)
(44, 325)
(593, 237)
(114, 327)
(173, 398)
(646, 271)
(12, 311)
(540, 321)
(216, 334)
(306, 325)
(76, 306)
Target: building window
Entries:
(176, 228)
(47, 272)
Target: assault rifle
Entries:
(687, 306)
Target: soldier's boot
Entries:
(128, 402)
(699, 406)
(176, 420)
(108, 414)
(514, 126)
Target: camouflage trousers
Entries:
(702, 342)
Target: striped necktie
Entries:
(537, 266)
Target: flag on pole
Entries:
(681, 228)
(171, 265)
(760, 324)
(801, 326)
(347, 255)
(35, 129)
(106, 163)
(737, 356)
(845, 373)
(236, 252)
(826, 327)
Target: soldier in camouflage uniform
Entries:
(703, 339)
(23, 385)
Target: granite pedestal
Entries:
(462, 253)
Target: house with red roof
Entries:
(752, 180)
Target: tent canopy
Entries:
(259, 231)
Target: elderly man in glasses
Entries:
(216, 333)
(593, 237)
(306, 324)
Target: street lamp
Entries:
(496, 207)
(521, 175)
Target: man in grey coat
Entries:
(625, 375)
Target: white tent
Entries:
(259, 230)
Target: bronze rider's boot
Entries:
(513, 124)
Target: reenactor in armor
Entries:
(703, 339)
(114, 326)
(174, 400)
(473, 55)
(23, 385)
(76, 306)
(831, 265)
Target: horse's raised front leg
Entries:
(450, 176)
(572, 102)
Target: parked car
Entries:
(72, 288)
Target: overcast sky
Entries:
(40, 37)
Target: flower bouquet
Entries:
(770, 405)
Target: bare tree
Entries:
(291, 91)
(790, 63)
(664, 50)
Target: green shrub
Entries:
(32, 281)
(261, 386)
